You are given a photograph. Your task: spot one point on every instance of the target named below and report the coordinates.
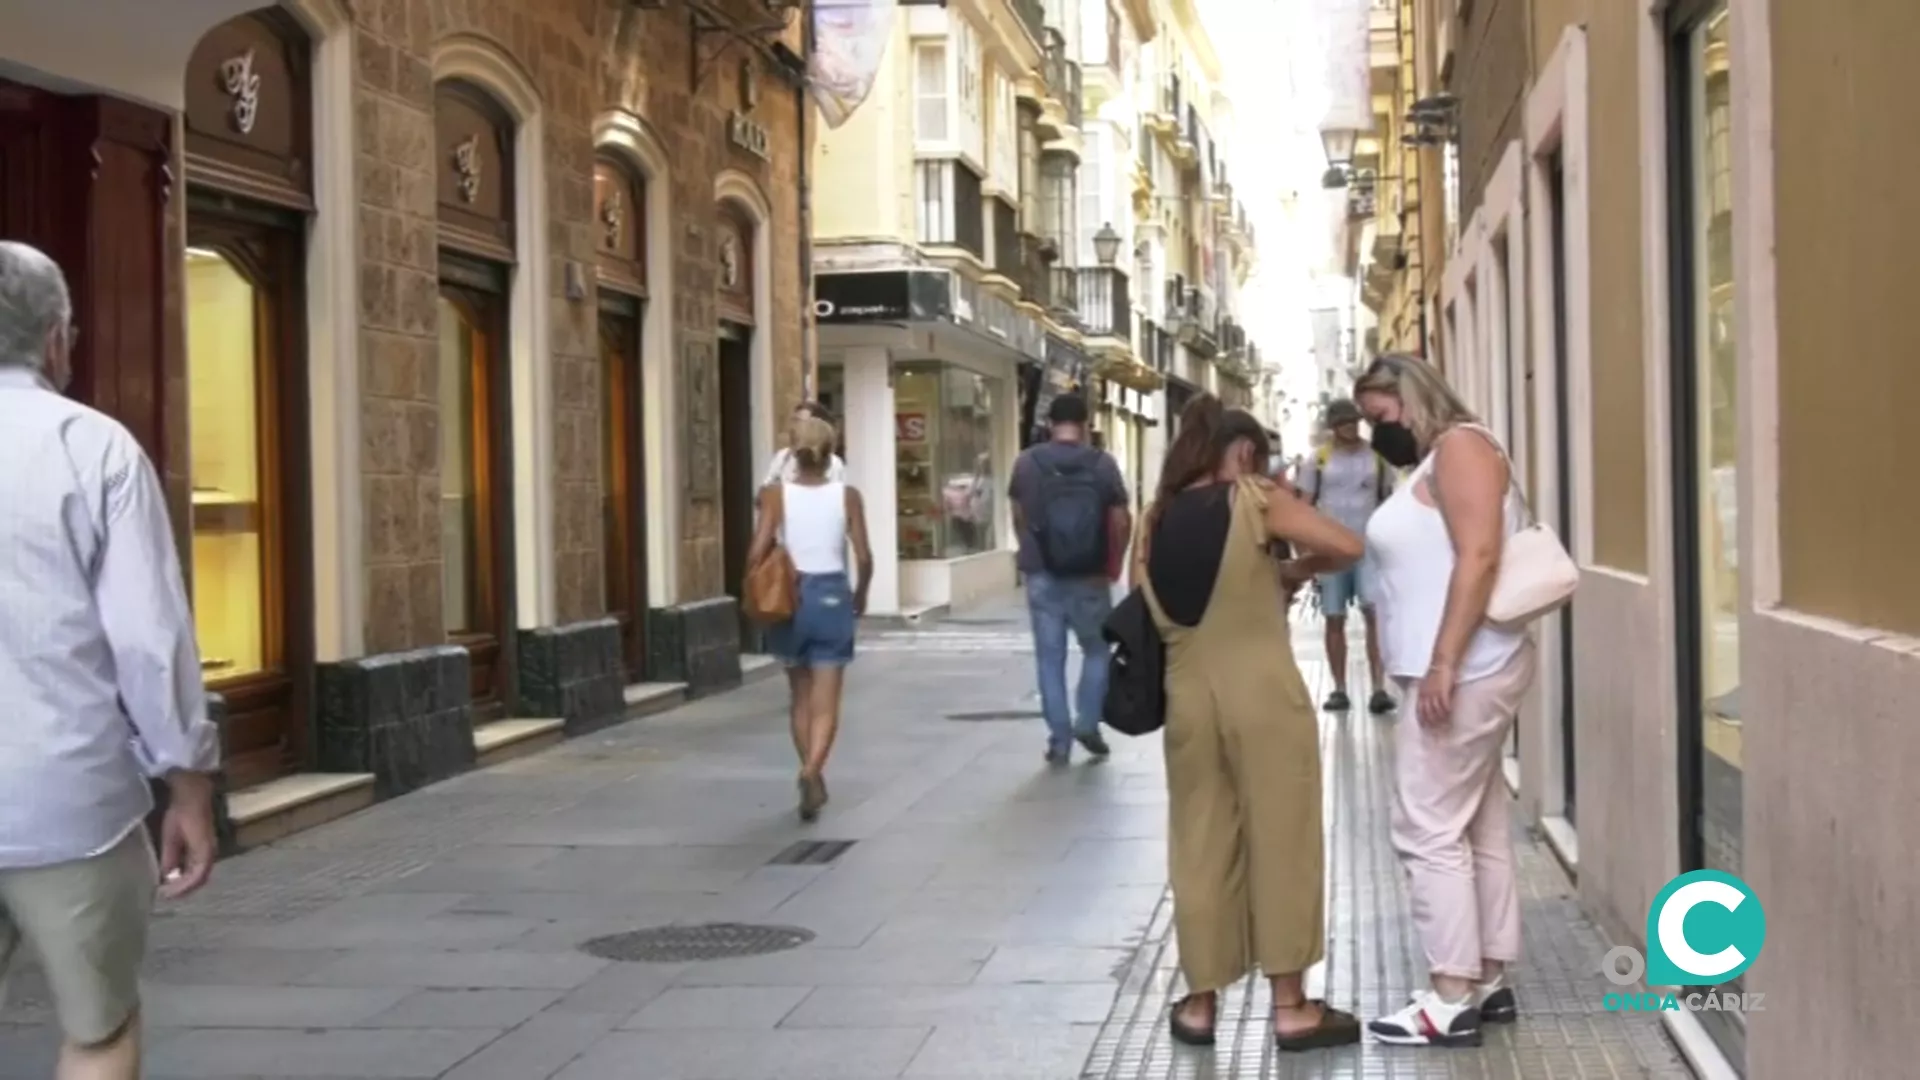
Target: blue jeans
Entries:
(821, 632)
(1057, 605)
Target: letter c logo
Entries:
(1726, 916)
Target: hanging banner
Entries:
(849, 41)
(1345, 24)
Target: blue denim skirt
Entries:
(821, 632)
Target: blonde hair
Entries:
(811, 440)
(1428, 406)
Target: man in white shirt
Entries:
(782, 466)
(101, 679)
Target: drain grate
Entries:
(811, 853)
(998, 714)
(708, 941)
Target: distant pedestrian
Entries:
(1245, 853)
(781, 466)
(1070, 509)
(816, 519)
(101, 680)
(1345, 478)
(1437, 545)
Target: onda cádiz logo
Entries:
(1705, 928)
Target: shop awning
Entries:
(135, 49)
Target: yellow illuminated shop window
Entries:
(223, 365)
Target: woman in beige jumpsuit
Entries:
(1242, 735)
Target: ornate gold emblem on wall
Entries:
(613, 219)
(242, 84)
(466, 161)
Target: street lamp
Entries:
(1106, 244)
(1338, 143)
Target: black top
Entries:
(1189, 542)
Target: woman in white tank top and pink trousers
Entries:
(1435, 547)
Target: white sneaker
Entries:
(1430, 1020)
(1494, 998)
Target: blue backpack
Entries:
(1072, 530)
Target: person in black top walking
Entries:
(1070, 511)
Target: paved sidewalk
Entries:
(992, 918)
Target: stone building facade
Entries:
(459, 329)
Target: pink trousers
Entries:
(1451, 821)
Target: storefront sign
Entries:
(1065, 371)
(998, 319)
(744, 132)
(882, 296)
(910, 427)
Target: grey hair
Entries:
(33, 303)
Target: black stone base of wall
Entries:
(407, 718)
(574, 673)
(696, 643)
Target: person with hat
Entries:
(1347, 481)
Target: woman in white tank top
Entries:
(1435, 548)
(815, 519)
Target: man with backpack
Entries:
(1070, 511)
(1347, 481)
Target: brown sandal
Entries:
(1187, 1034)
(1336, 1028)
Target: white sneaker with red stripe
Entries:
(1430, 1020)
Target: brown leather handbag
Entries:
(771, 591)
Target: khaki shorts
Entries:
(87, 921)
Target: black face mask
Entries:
(1395, 443)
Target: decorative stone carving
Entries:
(729, 261)
(466, 161)
(613, 218)
(242, 84)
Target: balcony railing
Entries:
(1036, 260)
(1064, 294)
(1006, 239)
(1106, 306)
(1033, 14)
(947, 197)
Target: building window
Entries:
(930, 93)
(1004, 149)
(947, 463)
(1029, 174)
(967, 75)
(1094, 182)
(1057, 202)
(948, 205)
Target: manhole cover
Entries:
(999, 714)
(708, 941)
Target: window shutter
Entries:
(930, 92)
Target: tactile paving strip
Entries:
(1373, 964)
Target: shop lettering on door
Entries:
(910, 427)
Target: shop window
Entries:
(226, 327)
(948, 472)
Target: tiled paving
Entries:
(979, 927)
(1373, 962)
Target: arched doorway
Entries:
(475, 176)
(623, 235)
(248, 124)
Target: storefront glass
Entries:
(832, 395)
(223, 335)
(947, 472)
(1717, 435)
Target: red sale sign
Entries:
(910, 427)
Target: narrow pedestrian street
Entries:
(966, 912)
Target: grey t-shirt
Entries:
(1349, 491)
(1029, 470)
